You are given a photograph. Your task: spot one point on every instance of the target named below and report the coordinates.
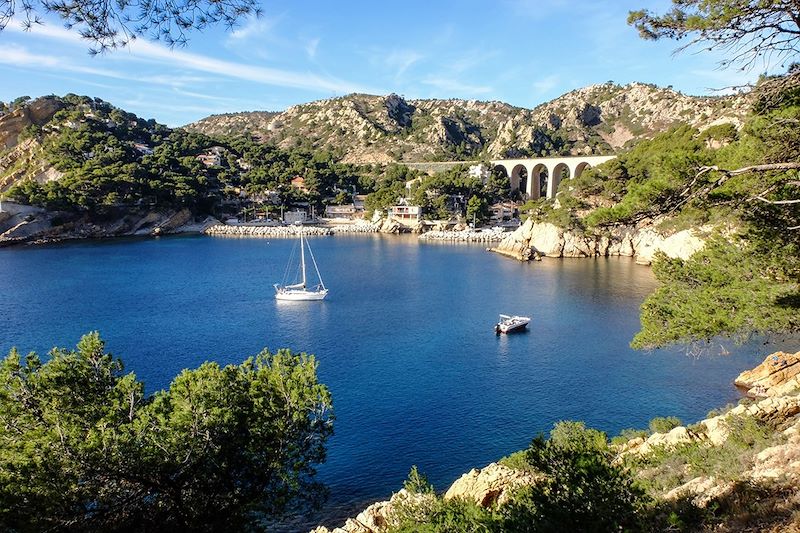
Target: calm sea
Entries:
(405, 340)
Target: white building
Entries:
(479, 171)
(403, 211)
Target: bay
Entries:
(404, 340)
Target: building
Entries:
(299, 182)
(213, 157)
(479, 171)
(298, 215)
(340, 211)
(504, 211)
(403, 211)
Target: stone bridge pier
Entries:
(540, 177)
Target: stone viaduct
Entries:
(537, 177)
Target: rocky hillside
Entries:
(367, 129)
(78, 167)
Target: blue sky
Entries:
(523, 52)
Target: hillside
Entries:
(368, 129)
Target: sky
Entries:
(523, 52)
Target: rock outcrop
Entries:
(379, 516)
(380, 129)
(37, 113)
(543, 239)
(779, 374)
(490, 485)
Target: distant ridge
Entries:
(363, 128)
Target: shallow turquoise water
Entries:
(405, 340)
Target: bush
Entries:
(583, 491)
(516, 460)
(628, 434)
(447, 516)
(417, 483)
(664, 424)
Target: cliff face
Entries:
(532, 240)
(38, 112)
(369, 129)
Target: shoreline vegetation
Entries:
(736, 470)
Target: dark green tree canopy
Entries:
(747, 30)
(83, 448)
(109, 25)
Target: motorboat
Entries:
(511, 324)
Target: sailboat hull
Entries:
(300, 295)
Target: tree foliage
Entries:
(746, 30)
(114, 161)
(582, 491)
(85, 449)
(729, 288)
(110, 25)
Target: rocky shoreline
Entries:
(534, 240)
(29, 225)
(779, 464)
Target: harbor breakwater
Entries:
(471, 236)
(463, 236)
(286, 231)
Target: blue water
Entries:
(404, 341)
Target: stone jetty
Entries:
(244, 230)
(265, 231)
(463, 236)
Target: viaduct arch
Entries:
(536, 177)
(540, 177)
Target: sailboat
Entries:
(300, 291)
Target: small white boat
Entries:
(299, 291)
(510, 324)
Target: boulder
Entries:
(778, 374)
(390, 225)
(490, 485)
(701, 490)
(546, 239)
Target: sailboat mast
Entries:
(302, 257)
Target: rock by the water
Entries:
(544, 239)
(778, 374)
(490, 485)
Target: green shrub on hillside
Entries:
(664, 424)
(583, 490)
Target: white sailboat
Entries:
(300, 291)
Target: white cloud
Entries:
(546, 84)
(20, 57)
(176, 59)
(311, 48)
(400, 61)
(254, 27)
